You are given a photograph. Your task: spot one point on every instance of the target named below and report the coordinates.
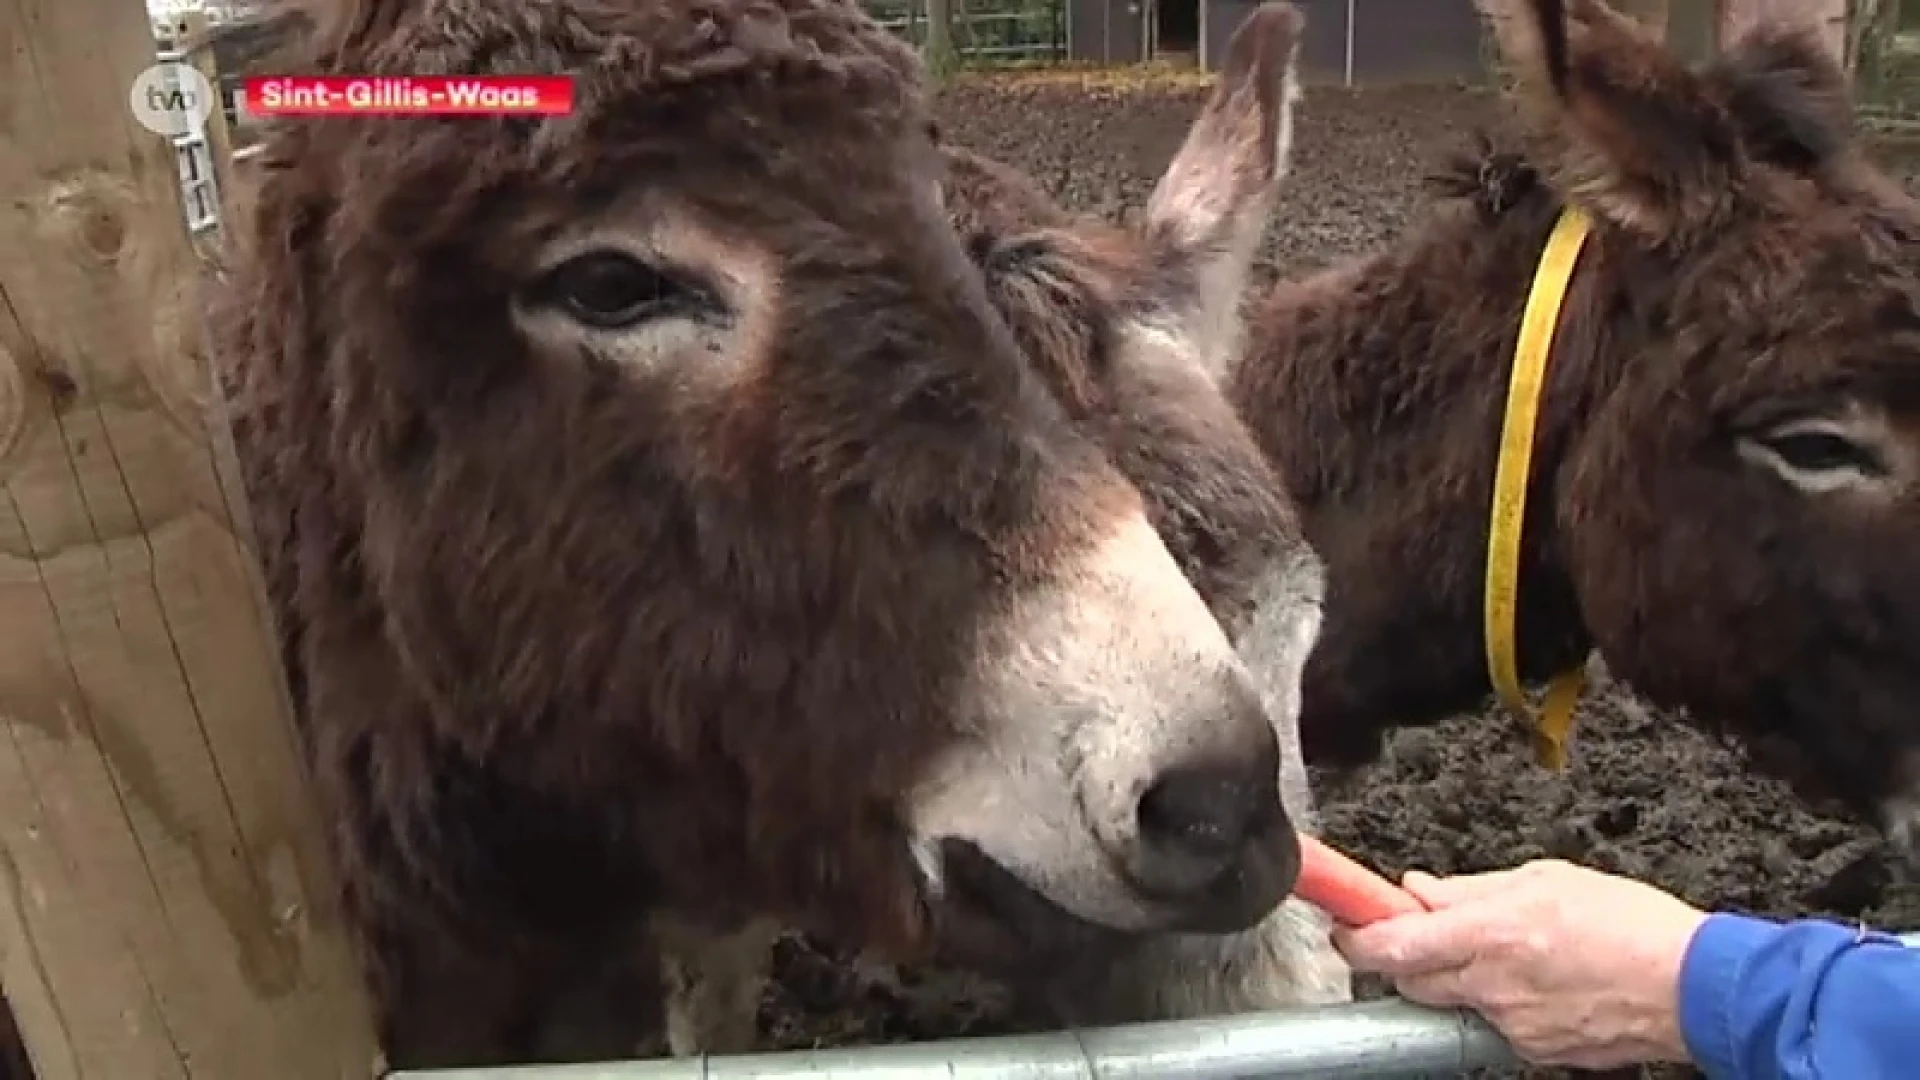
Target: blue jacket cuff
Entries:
(1709, 978)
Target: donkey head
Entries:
(718, 505)
(1740, 511)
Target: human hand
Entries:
(1573, 966)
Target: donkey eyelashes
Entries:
(1817, 454)
(1826, 450)
(1820, 447)
(606, 289)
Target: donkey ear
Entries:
(1618, 125)
(1788, 96)
(1210, 208)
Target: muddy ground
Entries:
(1645, 796)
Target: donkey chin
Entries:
(994, 918)
(1879, 786)
(1032, 893)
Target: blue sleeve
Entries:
(1810, 999)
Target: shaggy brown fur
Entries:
(1072, 291)
(1092, 307)
(1723, 497)
(793, 594)
(1084, 299)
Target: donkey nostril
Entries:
(1204, 814)
(1214, 847)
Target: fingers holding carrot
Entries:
(1347, 891)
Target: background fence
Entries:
(1884, 40)
(987, 33)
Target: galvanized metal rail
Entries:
(1373, 1040)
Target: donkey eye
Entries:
(1824, 451)
(1016, 255)
(610, 290)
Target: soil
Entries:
(1645, 796)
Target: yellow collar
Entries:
(1553, 728)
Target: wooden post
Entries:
(166, 906)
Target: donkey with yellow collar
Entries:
(1646, 385)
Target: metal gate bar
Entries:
(1373, 1040)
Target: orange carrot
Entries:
(1352, 894)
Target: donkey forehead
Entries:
(1824, 298)
(799, 64)
(672, 64)
(735, 105)
(638, 42)
(1814, 349)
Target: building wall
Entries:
(1416, 41)
(1391, 40)
(1106, 31)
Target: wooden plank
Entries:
(166, 908)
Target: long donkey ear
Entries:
(1788, 96)
(1210, 208)
(1617, 124)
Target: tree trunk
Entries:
(166, 906)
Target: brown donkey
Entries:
(1114, 322)
(1723, 496)
(661, 521)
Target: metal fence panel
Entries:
(1376, 1040)
(1372, 1040)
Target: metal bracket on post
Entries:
(199, 178)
